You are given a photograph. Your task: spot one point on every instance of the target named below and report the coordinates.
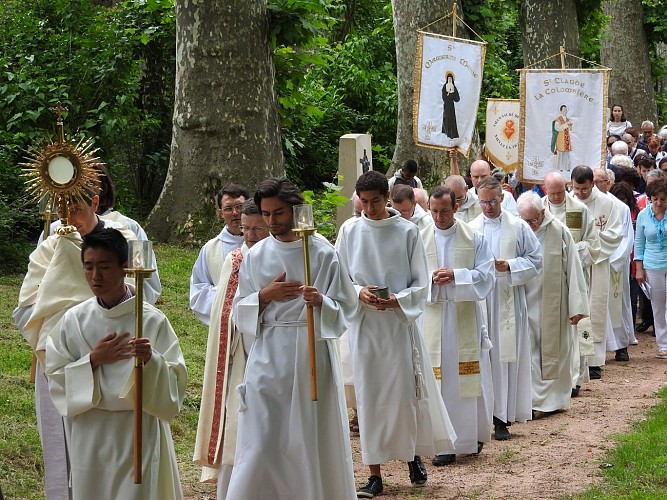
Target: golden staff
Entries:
(304, 226)
(139, 260)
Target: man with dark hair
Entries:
(206, 271)
(518, 259)
(461, 268)
(608, 221)
(226, 352)
(404, 199)
(92, 387)
(406, 175)
(288, 446)
(54, 283)
(401, 416)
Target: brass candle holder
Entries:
(139, 260)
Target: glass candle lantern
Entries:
(303, 217)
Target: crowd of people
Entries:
(440, 319)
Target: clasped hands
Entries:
(443, 276)
(115, 347)
(281, 290)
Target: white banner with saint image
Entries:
(563, 121)
(448, 80)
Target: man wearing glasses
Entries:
(518, 259)
(607, 220)
(206, 271)
(466, 199)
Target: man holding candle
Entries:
(94, 388)
(287, 445)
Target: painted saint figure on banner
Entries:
(450, 95)
(561, 140)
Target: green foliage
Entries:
(325, 203)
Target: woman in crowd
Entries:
(617, 123)
(651, 258)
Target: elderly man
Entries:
(461, 267)
(553, 339)
(404, 201)
(225, 363)
(518, 259)
(609, 223)
(206, 271)
(578, 219)
(466, 199)
(480, 169)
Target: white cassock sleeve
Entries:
(621, 255)
(528, 262)
(476, 284)
(412, 300)
(202, 289)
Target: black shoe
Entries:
(440, 460)
(643, 326)
(500, 431)
(622, 354)
(417, 470)
(480, 446)
(595, 372)
(575, 391)
(372, 489)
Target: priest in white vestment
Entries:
(90, 368)
(401, 414)
(404, 201)
(287, 445)
(608, 221)
(226, 352)
(579, 220)
(462, 271)
(53, 284)
(207, 267)
(518, 260)
(555, 309)
(466, 198)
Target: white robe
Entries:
(98, 405)
(471, 416)
(511, 379)
(215, 442)
(287, 445)
(206, 272)
(607, 220)
(619, 263)
(398, 416)
(551, 394)
(469, 209)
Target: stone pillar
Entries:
(354, 158)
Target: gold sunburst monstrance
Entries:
(62, 173)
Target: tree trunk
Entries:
(546, 25)
(226, 126)
(409, 16)
(625, 51)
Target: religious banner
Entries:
(563, 119)
(502, 133)
(448, 80)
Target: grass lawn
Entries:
(21, 468)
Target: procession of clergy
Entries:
(431, 320)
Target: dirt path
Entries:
(548, 457)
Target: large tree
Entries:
(225, 125)
(546, 25)
(409, 16)
(625, 50)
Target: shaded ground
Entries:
(549, 457)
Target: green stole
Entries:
(552, 296)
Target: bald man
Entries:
(466, 199)
(481, 169)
